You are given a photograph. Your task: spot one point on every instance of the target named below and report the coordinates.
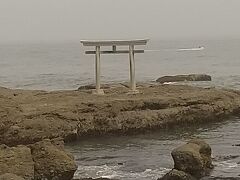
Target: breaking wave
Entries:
(108, 171)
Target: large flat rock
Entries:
(30, 116)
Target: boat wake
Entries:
(200, 48)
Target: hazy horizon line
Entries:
(77, 40)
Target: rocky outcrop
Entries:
(16, 160)
(52, 162)
(42, 160)
(193, 158)
(191, 161)
(190, 77)
(9, 176)
(31, 116)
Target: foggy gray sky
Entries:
(51, 20)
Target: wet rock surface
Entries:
(179, 78)
(191, 161)
(193, 158)
(177, 175)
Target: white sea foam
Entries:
(106, 171)
(226, 164)
(170, 83)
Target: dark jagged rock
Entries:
(190, 77)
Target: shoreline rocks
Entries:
(179, 78)
(32, 120)
(192, 161)
(52, 162)
(42, 160)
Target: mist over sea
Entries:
(57, 66)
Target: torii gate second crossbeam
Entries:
(114, 44)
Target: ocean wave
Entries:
(108, 171)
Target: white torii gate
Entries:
(114, 44)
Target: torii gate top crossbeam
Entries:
(114, 42)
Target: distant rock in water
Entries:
(179, 78)
(191, 161)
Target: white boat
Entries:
(200, 48)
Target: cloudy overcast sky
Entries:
(60, 20)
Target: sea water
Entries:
(147, 156)
(54, 66)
